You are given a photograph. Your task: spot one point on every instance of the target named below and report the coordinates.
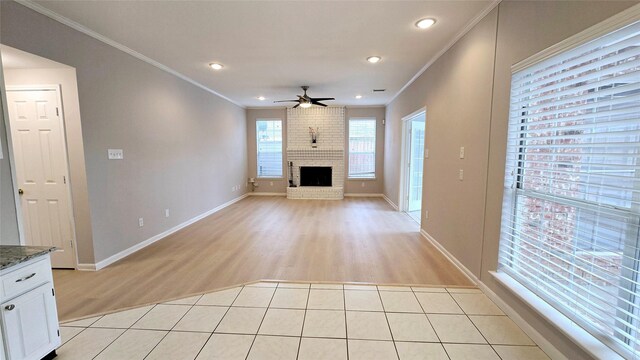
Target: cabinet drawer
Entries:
(25, 278)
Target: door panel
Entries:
(37, 133)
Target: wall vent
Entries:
(379, 90)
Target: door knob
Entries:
(10, 307)
(20, 191)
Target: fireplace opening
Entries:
(315, 175)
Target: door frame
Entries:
(12, 163)
(403, 186)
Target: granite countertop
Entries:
(12, 254)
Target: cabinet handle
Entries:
(10, 307)
(26, 277)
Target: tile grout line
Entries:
(304, 319)
(174, 325)
(261, 321)
(388, 324)
(125, 330)
(346, 328)
(220, 322)
(474, 325)
(429, 321)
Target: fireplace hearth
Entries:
(315, 176)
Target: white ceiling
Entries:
(270, 48)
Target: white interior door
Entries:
(37, 135)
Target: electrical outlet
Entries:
(271, 183)
(426, 214)
(426, 153)
(115, 154)
(140, 222)
(362, 184)
(166, 212)
(462, 152)
(461, 175)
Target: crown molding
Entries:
(435, 58)
(85, 30)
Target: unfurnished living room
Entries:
(320, 180)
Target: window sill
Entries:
(570, 329)
(269, 178)
(361, 179)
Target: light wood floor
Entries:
(355, 240)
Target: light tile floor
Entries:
(270, 320)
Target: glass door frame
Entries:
(403, 202)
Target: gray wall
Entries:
(8, 221)
(467, 105)
(184, 148)
(351, 186)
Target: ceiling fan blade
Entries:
(318, 103)
(286, 101)
(322, 99)
(296, 106)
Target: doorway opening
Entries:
(413, 164)
(39, 93)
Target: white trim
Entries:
(470, 275)
(139, 246)
(535, 336)
(266, 194)
(404, 180)
(63, 131)
(624, 18)
(458, 36)
(394, 206)
(570, 329)
(85, 30)
(86, 267)
(540, 340)
(363, 195)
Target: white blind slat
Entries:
(571, 210)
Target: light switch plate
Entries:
(426, 153)
(115, 154)
(462, 152)
(461, 175)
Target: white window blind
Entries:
(362, 148)
(269, 145)
(571, 212)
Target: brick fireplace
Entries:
(327, 153)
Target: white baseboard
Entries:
(266, 194)
(540, 340)
(394, 206)
(86, 267)
(471, 276)
(363, 195)
(124, 253)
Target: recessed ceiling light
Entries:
(425, 23)
(358, 96)
(261, 98)
(216, 66)
(374, 59)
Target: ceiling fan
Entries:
(305, 101)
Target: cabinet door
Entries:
(30, 324)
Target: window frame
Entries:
(282, 167)
(512, 192)
(375, 149)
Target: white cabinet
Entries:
(29, 318)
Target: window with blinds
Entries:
(269, 145)
(362, 148)
(571, 212)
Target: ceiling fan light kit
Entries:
(305, 101)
